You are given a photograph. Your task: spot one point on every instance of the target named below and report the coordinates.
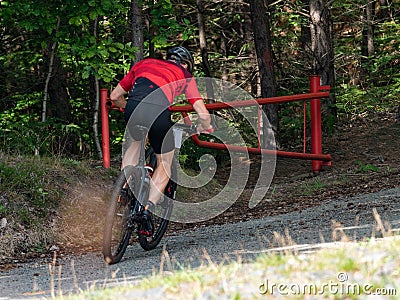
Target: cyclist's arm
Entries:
(117, 96)
(195, 99)
(204, 117)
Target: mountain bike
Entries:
(125, 215)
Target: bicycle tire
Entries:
(163, 209)
(117, 231)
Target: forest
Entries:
(56, 55)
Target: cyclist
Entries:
(152, 85)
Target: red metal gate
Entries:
(316, 93)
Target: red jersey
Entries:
(171, 77)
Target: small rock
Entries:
(3, 222)
(54, 248)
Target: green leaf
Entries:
(71, 21)
(93, 15)
(91, 52)
(119, 46)
(103, 53)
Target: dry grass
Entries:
(338, 270)
(49, 202)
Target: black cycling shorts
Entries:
(148, 106)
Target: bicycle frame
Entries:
(143, 189)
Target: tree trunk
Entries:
(262, 40)
(203, 49)
(46, 86)
(49, 75)
(202, 37)
(367, 47)
(59, 106)
(137, 29)
(95, 86)
(305, 37)
(322, 50)
(367, 43)
(94, 95)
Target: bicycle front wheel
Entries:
(118, 224)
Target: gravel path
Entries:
(353, 218)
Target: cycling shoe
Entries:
(147, 227)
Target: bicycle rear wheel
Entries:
(162, 211)
(118, 224)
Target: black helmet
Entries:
(181, 55)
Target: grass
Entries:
(313, 187)
(31, 191)
(344, 270)
(338, 270)
(366, 168)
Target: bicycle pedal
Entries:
(147, 227)
(122, 198)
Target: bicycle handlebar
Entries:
(191, 129)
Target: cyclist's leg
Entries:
(131, 154)
(131, 147)
(141, 109)
(162, 140)
(161, 176)
(146, 105)
(156, 217)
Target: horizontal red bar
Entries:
(297, 155)
(259, 101)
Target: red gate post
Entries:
(316, 128)
(105, 132)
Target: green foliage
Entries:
(71, 24)
(292, 60)
(167, 24)
(23, 190)
(36, 138)
(93, 38)
(380, 88)
(367, 84)
(94, 55)
(190, 154)
(362, 168)
(99, 51)
(315, 187)
(21, 133)
(291, 123)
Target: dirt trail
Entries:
(352, 218)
